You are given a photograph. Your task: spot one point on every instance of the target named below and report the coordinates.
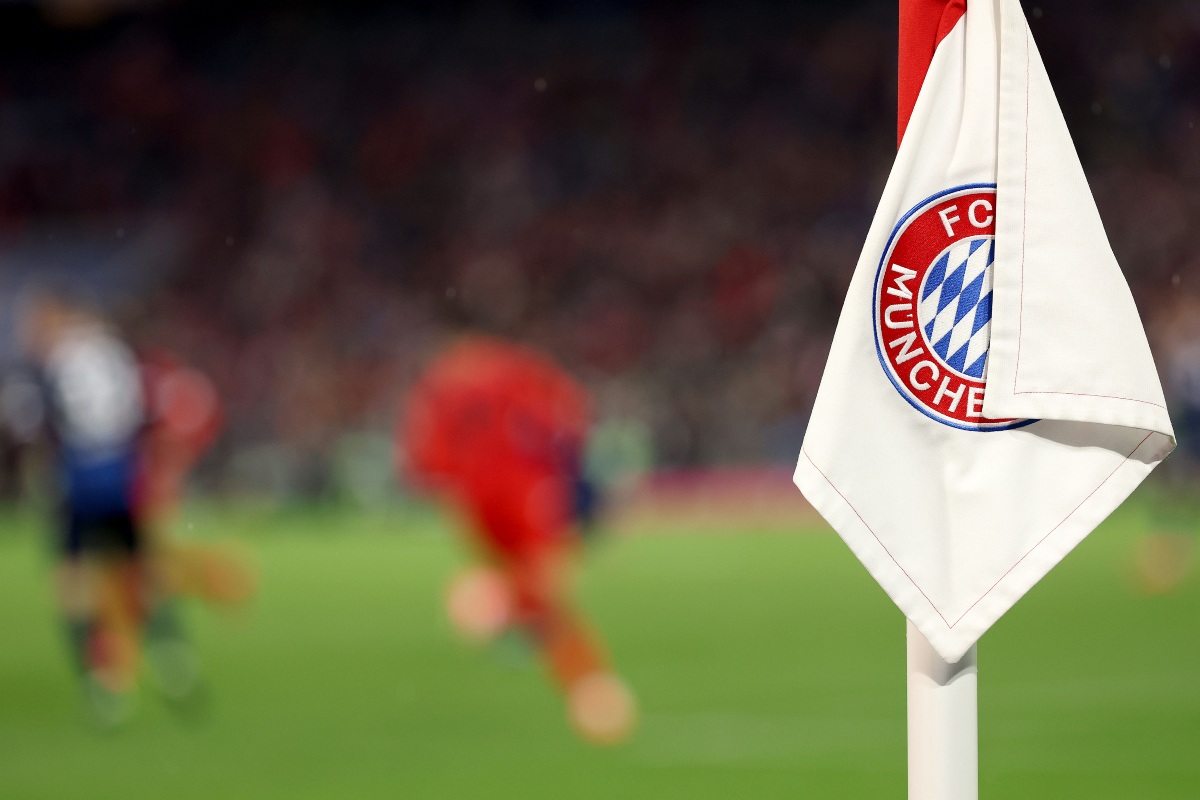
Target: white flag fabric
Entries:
(990, 396)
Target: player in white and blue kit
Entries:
(91, 398)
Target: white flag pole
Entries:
(943, 723)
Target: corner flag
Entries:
(990, 396)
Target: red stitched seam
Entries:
(881, 544)
(1013, 567)
(1052, 530)
(1024, 217)
(1106, 396)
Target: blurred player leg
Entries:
(173, 663)
(100, 601)
(479, 603)
(600, 706)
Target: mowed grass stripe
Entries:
(767, 666)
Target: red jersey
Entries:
(501, 428)
(183, 418)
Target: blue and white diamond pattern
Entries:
(955, 310)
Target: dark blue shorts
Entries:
(98, 509)
(114, 534)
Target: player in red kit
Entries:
(184, 418)
(498, 431)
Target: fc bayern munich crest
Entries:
(933, 306)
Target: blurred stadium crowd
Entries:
(306, 201)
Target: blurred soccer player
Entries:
(121, 454)
(183, 419)
(498, 431)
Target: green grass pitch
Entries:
(768, 665)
